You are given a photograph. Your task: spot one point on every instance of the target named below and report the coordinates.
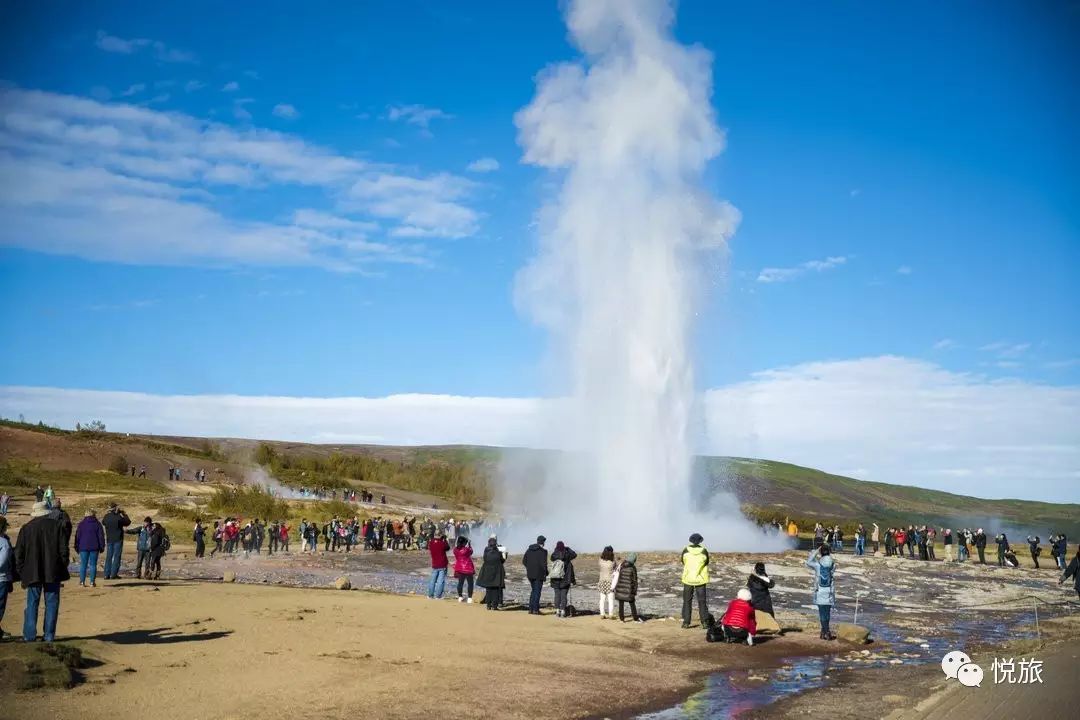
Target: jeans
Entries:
(688, 594)
(860, 546)
(5, 588)
(462, 580)
(142, 563)
(88, 559)
(536, 587)
(824, 615)
(52, 610)
(436, 583)
(561, 596)
(112, 558)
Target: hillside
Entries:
(460, 476)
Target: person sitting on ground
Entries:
(1010, 559)
(626, 587)
(738, 623)
(759, 584)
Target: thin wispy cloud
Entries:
(131, 46)
(133, 90)
(483, 165)
(193, 85)
(904, 270)
(285, 111)
(946, 344)
(1006, 349)
(231, 86)
(418, 115)
(777, 275)
(127, 183)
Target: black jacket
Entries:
(41, 553)
(115, 522)
(157, 540)
(1073, 571)
(535, 561)
(64, 519)
(626, 588)
(980, 541)
(492, 572)
(569, 578)
(760, 597)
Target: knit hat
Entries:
(40, 509)
(631, 558)
(696, 538)
(744, 594)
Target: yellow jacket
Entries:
(695, 560)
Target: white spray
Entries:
(629, 131)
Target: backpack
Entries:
(558, 570)
(166, 544)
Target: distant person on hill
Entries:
(1073, 571)
(738, 623)
(115, 521)
(535, 561)
(562, 576)
(4, 500)
(142, 471)
(626, 587)
(759, 583)
(695, 580)
(39, 494)
(438, 548)
(7, 569)
(604, 585)
(89, 542)
(824, 567)
(198, 535)
(41, 564)
(1036, 550)
(464, 569)
(492, 575)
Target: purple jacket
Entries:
(89, 535)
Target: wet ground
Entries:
(916, 611)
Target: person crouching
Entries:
(739, 623)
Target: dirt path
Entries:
(178, 649)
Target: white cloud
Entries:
(193, 85)
(284, 110)
(133, 90)
(904, 270)
(896, 419)
(418, 115)
(1005, 349)
(231, 86)
(240, 111)
(483, 165)
(946, 344)
(775, 275)
(162, 52)
(855, 192)
(125, 183)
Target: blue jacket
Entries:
(5, 559)
(824, 584)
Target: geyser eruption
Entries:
(629, 130)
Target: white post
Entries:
(856, 620)
(1038, 631)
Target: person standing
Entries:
(4, 500)
(1002, 546)
(437, 581)
(283, 533)
(89, 542)
(142, 547)
(159, 545)
(980, 545)
(7, 569)
(216, 535)
(535, 561)
(626, 588)
(823, 565)
(947, 541)
(562, 576)
(199, 536)
(860, 540)
(115, 521)
(604, 584)
(874, 536)
(464, 568)
(1073, 571)
(41, 563)
(492, 575)
(695, 580)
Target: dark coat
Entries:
(115, 522)
(89, 536)
(569, 578)
(41, 554)
(535, 561)
(1073, 571)
(626, 588)
(760, 597)
(157, 541)
(493, 571)
(64, 519)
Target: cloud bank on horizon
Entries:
(888, 419)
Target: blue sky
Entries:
(306, 221)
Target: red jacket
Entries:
(438, 549)
(463, 564)
(740, 614)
